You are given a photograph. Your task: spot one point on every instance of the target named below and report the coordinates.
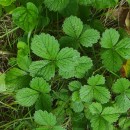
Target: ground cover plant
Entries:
(65, 65)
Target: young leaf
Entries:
(96, 80)
(26, 18)
(45, 69)
(40, 85)
(123, 48)
(77, 106)
(45, 46)
(111, 60)
(23, 60)
(56, 5)
(121, 87)
(89, 37)
(74, 85)
(95, 108)
(66, 57)
(44, 118)
(73, 26)
(26, 97)
(109, 38)
(95, 90)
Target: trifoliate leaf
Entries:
(45, 46)
(40, 85)
(16, 78)
(73, 26)
(96, 80)
(26, 97)
(66, 58)
(74, 85)
(95, 108)
(56, 5)
(45, 69)
(123, 48)
(111, 60)
(103, 119)
(26, 18)
(81, 66)
(110, 114)
(121, 85)
(98, 123)
(109, 38)
(44, 118)
(89, 37)
(95, 90)
(77, 106)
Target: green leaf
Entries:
(110, 114)
(95, 90)
(44, 118)
(58, 128)
(95, 108)
(45, 46)
(26, 18)
(45, 69)
(81, 66)
(74, 85)
(16, 78)
(103, 119)
(111, 60)
(121, 85)
(56, 5)
(73, 26)
(71, 9)
(66, 58)
(23, 59)
(98, 123)
(99, 4)
(89, 37)
(26, 97)
(6, 2)
(44, 102)
(77, 106)
(75, 96)
(109, 38)
(96, 80)
(40, 85)
(123, 48)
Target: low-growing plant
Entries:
(71, 79)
